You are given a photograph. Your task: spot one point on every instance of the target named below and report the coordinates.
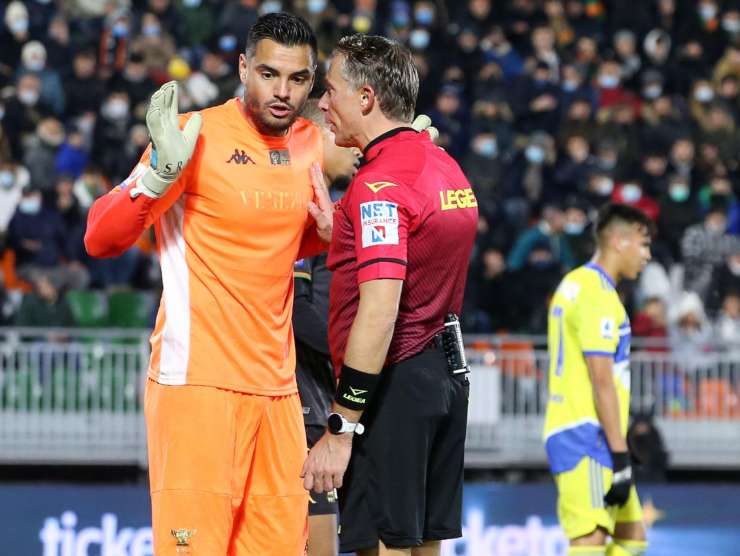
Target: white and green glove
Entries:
(422, 122)
(171, 146)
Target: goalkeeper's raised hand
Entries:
(171, 146)
(422, 122)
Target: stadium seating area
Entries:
(552, 107)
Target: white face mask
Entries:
(604, 186)
(271, 6)
(116, 109)
(732, 26)
(734, 266)
(28, 97)
(704, 94)
(631, 193)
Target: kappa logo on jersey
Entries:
(240, 157)
(379, 221)
(378, 185)
(607, 328)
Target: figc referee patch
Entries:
(379, 221)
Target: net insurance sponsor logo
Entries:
(64, 537)
(533, 538)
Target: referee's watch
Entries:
(337, 424)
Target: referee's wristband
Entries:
(355, 388)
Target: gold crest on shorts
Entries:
(183, 536)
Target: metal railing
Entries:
(695, 402)
(76, 396)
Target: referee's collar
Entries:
(373, 146)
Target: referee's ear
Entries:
(367, 99)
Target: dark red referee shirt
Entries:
(408, 214)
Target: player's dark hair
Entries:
(612, 213)
(283, 28)
(385, 65)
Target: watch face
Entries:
(334, 423)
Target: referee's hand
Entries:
(326, 462)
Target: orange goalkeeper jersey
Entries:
(228, 233)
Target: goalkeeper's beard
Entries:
(265, 121)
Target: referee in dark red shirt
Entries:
(401, 243)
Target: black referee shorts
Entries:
(404, 481)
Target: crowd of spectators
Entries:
(552, 107)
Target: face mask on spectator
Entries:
(151, 30)
(679, 192)
(30, 205)
(734, 267)
(120, 30)
(116, 109)
(707, 11)
(535, 154)
(631, 193)
(608, 81)
(35, 65)
(574, 228)
(731, 25)
(424, 16)
(604, 187)
(704, 94)
(569, 85)
(18, 26)
(652, 91)
(28, 97)
(419, 39)
(227, 43)
(316, 6)
(191, 3)
(271, 7)
(6, 179)
(486, 147)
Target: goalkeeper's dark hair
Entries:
(283, 28)
(615, 213)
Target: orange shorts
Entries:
(225, 467)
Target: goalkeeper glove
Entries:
(621, 480)
(422, 122)
(171, 147)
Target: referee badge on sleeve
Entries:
(379, 221)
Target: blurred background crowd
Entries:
(552, 107)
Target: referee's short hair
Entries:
(616, 213)
(282, 28)
(385, 65)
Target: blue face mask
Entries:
(574, 228)
(271, 7)
(30, 205)
(227, 43)
(316, 6)
(419, 39)
(679, 193)
(487, 148)
(535, 154)
(120, 30)
(424, 16)
(191, 3)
